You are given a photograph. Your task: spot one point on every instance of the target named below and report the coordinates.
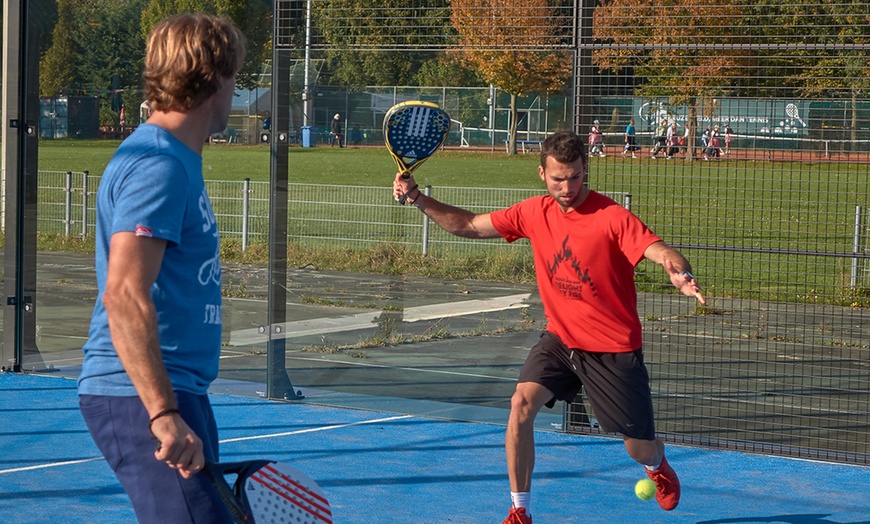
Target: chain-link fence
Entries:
(770, 203)
(750, 154)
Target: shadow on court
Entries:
(380, 466)
(788, 519)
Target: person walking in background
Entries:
(596, 140)
(660, 138)
(585, 247)
(684, 140)
(335, 132)
(728, 138)
(155, 333)
(630, 138)
(672, 141)
(714, 148)
(705, 138)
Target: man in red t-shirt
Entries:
(586, 247)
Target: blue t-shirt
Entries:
(153, 186)
(629, 130)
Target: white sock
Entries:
(521, 500)
(653, 468)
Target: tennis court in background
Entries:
(386, 467)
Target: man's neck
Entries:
(190, 127)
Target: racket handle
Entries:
(231, 503)
(402, 199)
(233, 497)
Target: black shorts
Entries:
(617, 384)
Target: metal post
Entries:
(627, 201)
(20, 121)
(856, 247)
(286, 24)
(306, 90)
(491, 103)
(584, 71)
(67, 205)
(86, 198)
(426, 222)
(246, 211)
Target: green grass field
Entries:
(318, 165)
(774, 230)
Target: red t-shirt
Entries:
(584, 262)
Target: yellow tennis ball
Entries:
(645, 489)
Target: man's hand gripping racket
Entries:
(413, 131)
(266, 492)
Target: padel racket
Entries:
(266, 492)
(413, 131)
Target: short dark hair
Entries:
(565, 147)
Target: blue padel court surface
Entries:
(380, 467)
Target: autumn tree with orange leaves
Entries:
(683, 50)
(513, 45)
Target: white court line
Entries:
(51, 465)
(224, 441)
(368, 319)
(312, 430)
(383, 366)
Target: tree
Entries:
(447, 70)
(511, 44)
(682, 50)
(110, 43)
(832, 63)
(253, 18)
(378, 42)
(57, 65)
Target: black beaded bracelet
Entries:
(161, 414)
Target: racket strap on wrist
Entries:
(408, 194)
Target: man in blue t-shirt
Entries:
(630, 134)
(155, 333)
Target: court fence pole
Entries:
(67, 211)
(856, 247)
(85, 200)
(246, 207)
(428, 192)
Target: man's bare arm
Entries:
(677, 267)
(455, 220)
(134, 263)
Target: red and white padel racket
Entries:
(266, 492)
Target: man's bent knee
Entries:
(528, 399)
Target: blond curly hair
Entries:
(187, 58)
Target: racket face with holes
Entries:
(280, 493)
(266, 492)
(413, 131)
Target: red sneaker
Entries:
(517, 516)
(667, 485)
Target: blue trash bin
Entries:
(307, 136)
